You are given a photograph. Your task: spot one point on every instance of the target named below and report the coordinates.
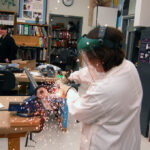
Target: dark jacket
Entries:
(8, 48)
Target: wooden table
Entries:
(22, 77)
(23, 81)
(13, 127)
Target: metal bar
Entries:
(32, 81)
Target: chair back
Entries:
(7, 80)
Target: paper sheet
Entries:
(1, 105)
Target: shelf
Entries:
(28, 41)
(31, 46)
(12, 26)
(24, 23)
(41, 61)
(62, 47)
(31, 35)
(9, 12)
(58, 30)
(65, 39)
(34, 36)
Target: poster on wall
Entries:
(33, 11)
(144, 52)
(9, 5)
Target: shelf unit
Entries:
(64, 38)
(33, 39)
(63, 43)
(8, 18)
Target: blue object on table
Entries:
(28, 105)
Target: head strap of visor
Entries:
(86, 44)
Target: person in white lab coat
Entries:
(110, 109)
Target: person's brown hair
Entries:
(110, 57)
(3, 27)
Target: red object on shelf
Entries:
(66, 45)
(54, 27)
(57, 43)
(64, 34)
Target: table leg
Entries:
(13, 140)
(14, 143)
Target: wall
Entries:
(106, 16)
(132, 7)
(9, 5)
(142, 12)
(79, 8)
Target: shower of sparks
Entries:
(51, 118)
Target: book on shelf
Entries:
(20, 29)
(36, 31)
(6, 19)
(32, 53)
(44, 54)
(40, 32)
(11, 19)
(44, 42)
(41, 42)
(32, 30)
(26, 29)
(44, 31)
(41, 54)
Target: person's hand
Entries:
(6, 60)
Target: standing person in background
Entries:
(8, 48)
(110, 109)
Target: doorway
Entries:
(64, 33)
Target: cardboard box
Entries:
(30, 64)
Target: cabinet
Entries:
(8, 18)
(33, 41)
(64, 32)
(132, 39)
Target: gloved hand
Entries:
(61, 89)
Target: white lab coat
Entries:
(110, 109)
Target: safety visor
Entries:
(86, 44)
